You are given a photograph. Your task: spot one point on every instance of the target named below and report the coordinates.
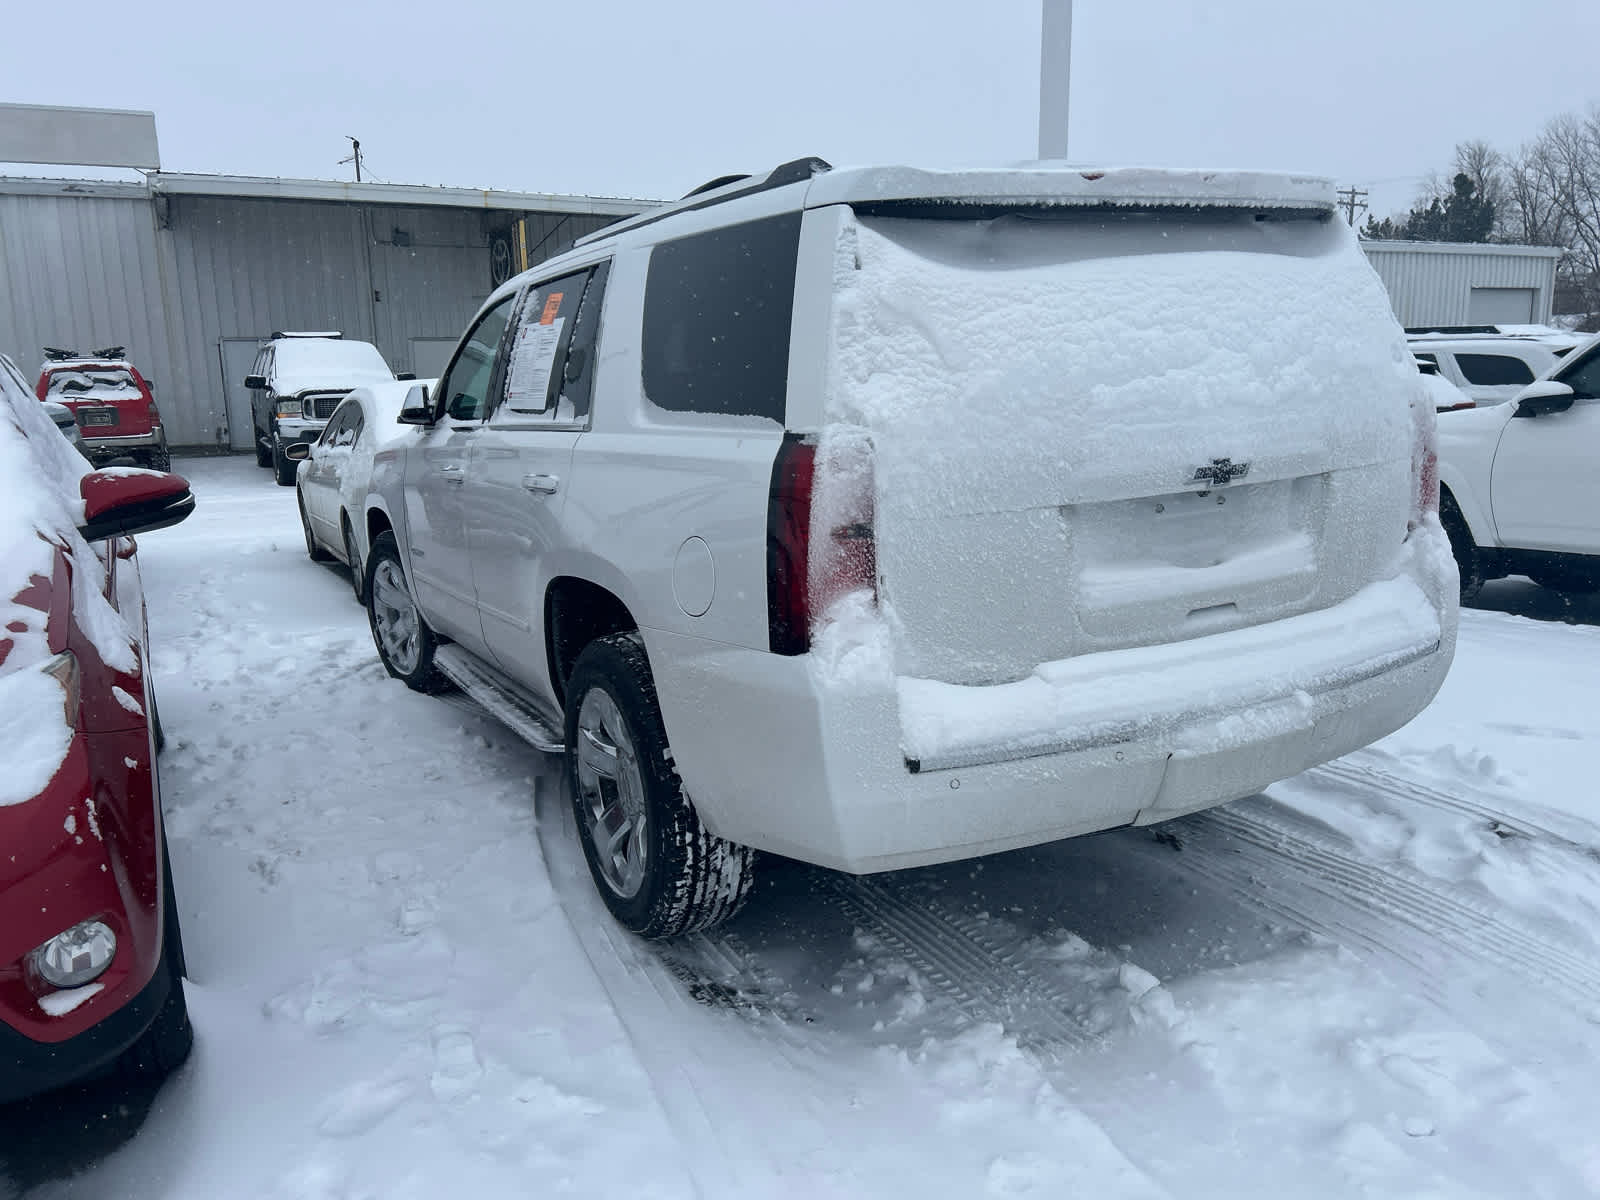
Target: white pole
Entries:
(1055, 72)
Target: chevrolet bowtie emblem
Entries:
(1221, 471)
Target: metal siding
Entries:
(1432, 288)
(81, 272)
(171, 278)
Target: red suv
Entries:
(91, 960)
(113, 403)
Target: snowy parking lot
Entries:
(1381, 978)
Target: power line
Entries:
(1350, 199)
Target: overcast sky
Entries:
(649, 99)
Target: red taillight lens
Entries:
(788, 547)
(154, 413)
(1424, 462)
(821, 540)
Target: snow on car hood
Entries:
(305, 364)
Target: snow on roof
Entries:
(1059, 183)
(310, 362)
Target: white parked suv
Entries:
(1492, 363)
(884, 517)
(1521, 490)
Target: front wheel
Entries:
(283, 468)
(164, 1046)
(404, 641)
(263, 455)
(659, 870)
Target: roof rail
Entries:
(1452, 329)
(306, 333)
(717, 191)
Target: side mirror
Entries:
(1543, 397)
(406, 376)
(151, 384)
(297, 451)
(418, 408)
(256, 383)
(121, 500)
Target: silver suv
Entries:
(885, 517)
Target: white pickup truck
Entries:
(1520, 482)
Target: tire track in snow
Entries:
(1374, 780)
(1280, 863)
(986, 983)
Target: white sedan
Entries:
(336, 472)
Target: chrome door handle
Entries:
(451, 472)
(545, 484)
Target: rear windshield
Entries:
(93, 383)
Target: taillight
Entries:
(1424, 462)
(154, 413)
(821, 540)
(788, 547)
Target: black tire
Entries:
(164, 1046)
(159, 459)
(314, 550)
(688, 877)
(263, 455)
(419, 675)
(1469, 559)
(283, 469)
(358, 574)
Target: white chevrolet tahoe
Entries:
(884, 517)
(1521, 491)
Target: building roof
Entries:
(408, 195)
(1386, 246)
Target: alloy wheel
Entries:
(395, 617)
(611, 794)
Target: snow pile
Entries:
(300, 364)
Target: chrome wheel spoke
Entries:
(611, 794)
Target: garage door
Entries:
(1501, 306)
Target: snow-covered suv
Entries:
(298, 380)
(1492, 363)
(884, 517)
(1520, 482)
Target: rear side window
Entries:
(716, 319)
(1491, 370)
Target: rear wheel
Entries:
(659, 870)
(314, 550)
(404, 641)
(1469, 559)
(159, 459)
(358, 579)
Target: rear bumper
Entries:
(112, 447)
(857, 776)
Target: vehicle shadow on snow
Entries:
(1523, 598)
(1038, 941)
(55, 1136)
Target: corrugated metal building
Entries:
(190, 272)
(1445, 283)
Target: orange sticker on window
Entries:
(551, 307)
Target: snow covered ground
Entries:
(1379, 979)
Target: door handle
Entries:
(451, 472)
(546, 485)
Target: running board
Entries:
(515, 713)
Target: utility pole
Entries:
(1055, 71)
(354, 155)
(1351, 199)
